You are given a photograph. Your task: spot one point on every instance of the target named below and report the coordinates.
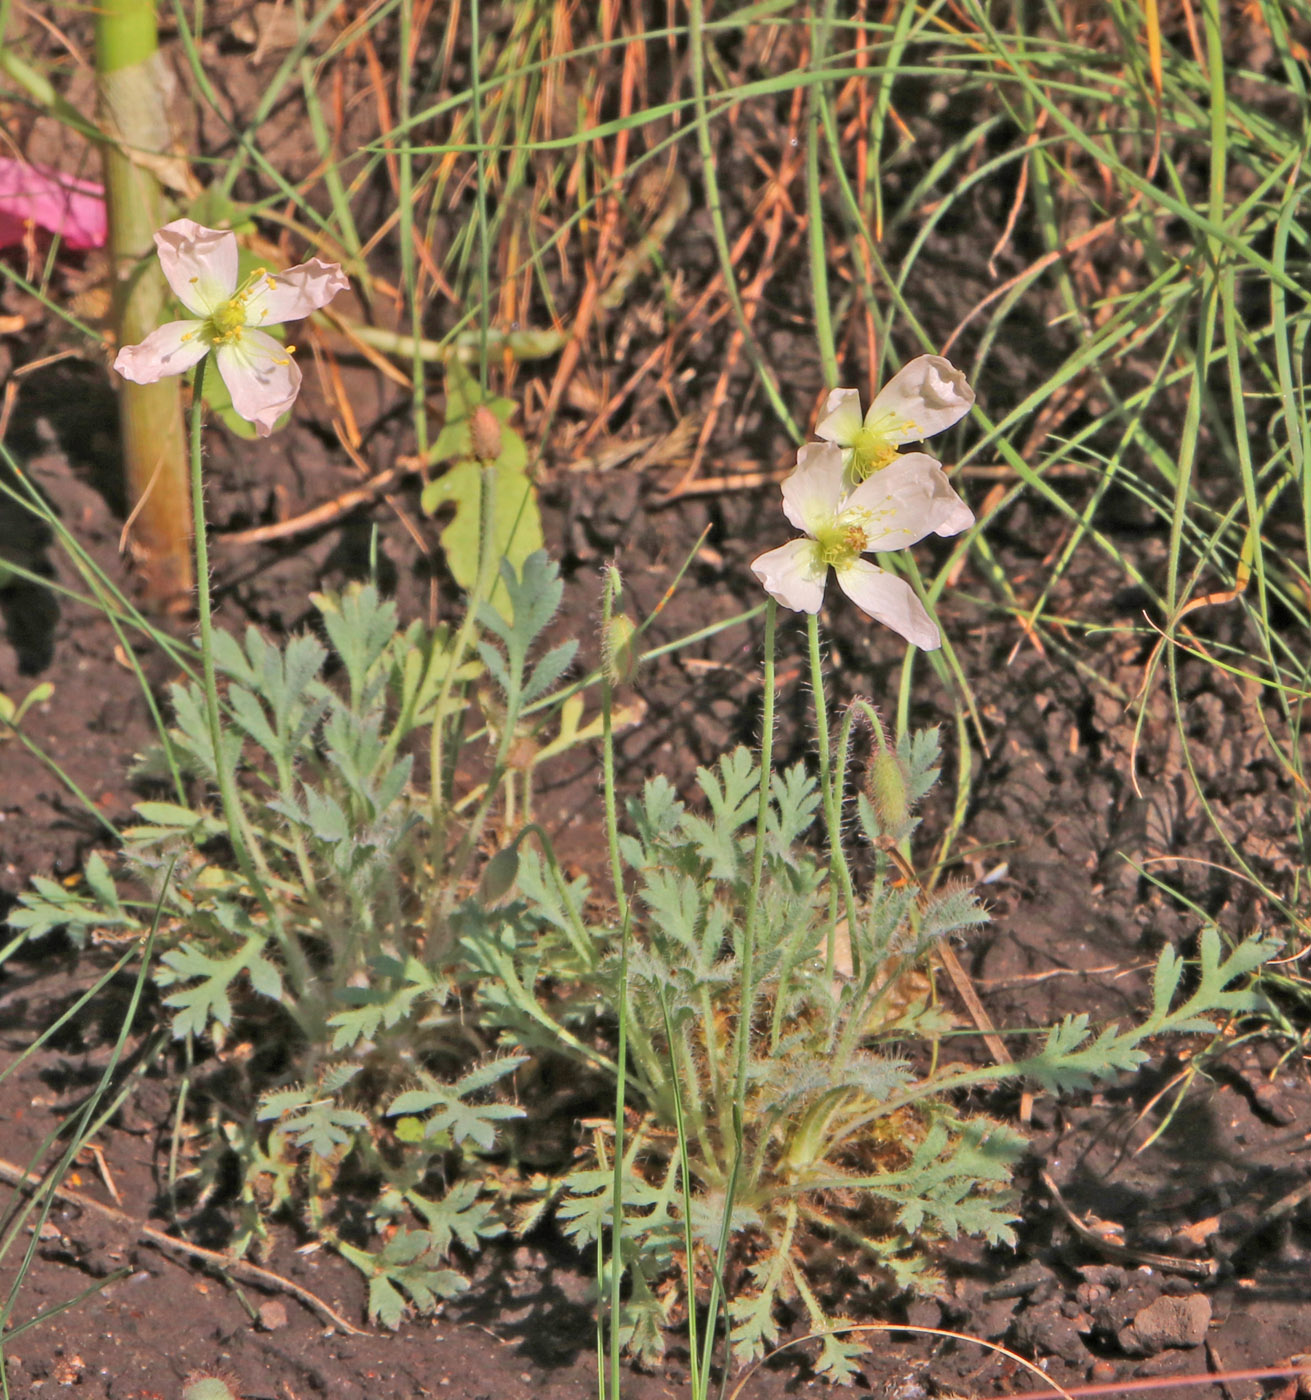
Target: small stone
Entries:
(272, 1316)
(1168, 1322)
(68, 1370)
(1046, 1331)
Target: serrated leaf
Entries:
(417, 1100)
(205, 998)
(325, 817)
(406, 1262)
(385, 1304)
(275, 1104)
(336, 1077)
(491, 1072)
(495, 664)
(1165, 980)
(100, 882)
(265, 978)
(549, 670)
(462, 1214)
(838, 1358)
(360, 624)
(249, 714)
(169, 814)
(754, 1328)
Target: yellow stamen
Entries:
(874, 447)
(870, 452)
(225, 323)
(839, 544)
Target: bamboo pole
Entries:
(135, 122)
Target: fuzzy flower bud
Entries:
(499, 874)
(887, 783)
(485, 434)
(618, 653)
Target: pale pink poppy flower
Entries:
(200, 265)
(63, 204)
(895, 508)
(925, 397)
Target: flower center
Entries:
(870, 452)
(840, 544)
(225, 323)
(875, 445)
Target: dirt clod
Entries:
(272, 1316)
(1168, 1322)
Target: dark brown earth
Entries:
(1055, 828)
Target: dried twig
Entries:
(329, 512)
(170, 1244)
(1169, 1263)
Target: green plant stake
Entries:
(154, 443)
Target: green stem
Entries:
(747, 996)
(698, 1388)
(126, 34)
(409, 271)
(817, 229)
(608, 753)
(484, 248)
(297, 963)
(839, 874)
(621, 1051)
(439, 796)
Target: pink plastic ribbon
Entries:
(62, 204)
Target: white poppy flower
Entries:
(895, 508)
(925, 397)
(200, 264)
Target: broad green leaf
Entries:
(516, 517)
(516, 520)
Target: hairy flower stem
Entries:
(441, 762)
(608, 592)
(747, 985)
(697, 1384)
(830, 791)
(298, 964)
(747, 996)
(855, 709)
